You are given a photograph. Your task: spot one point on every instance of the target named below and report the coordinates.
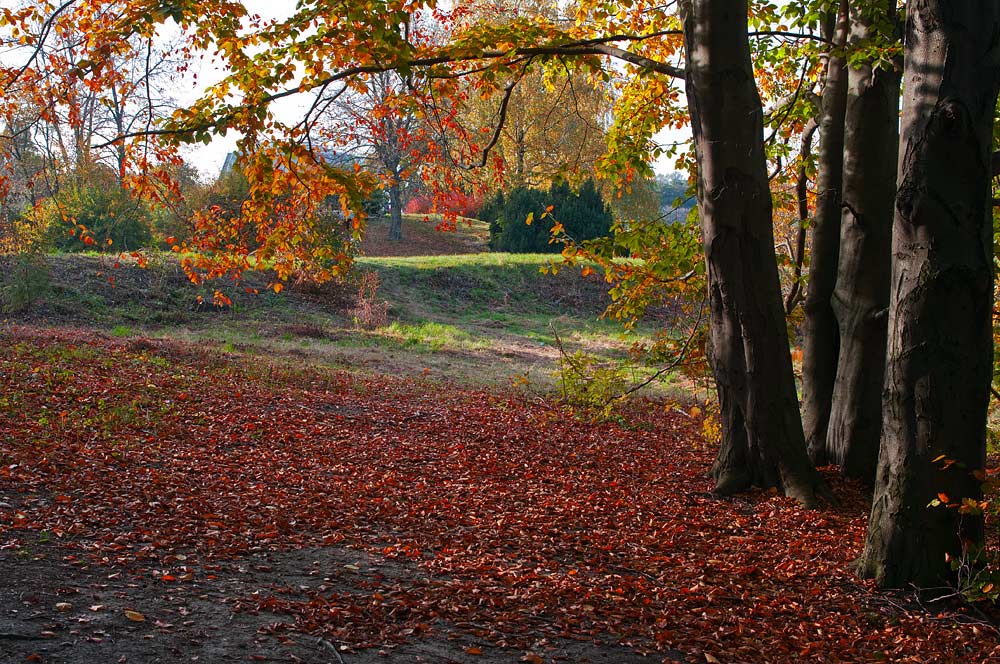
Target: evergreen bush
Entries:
(582, 213)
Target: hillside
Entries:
(475, 319)
(421, 237)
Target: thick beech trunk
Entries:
(861, 298)
(940, 347)
(762, 441)
(395, 212)
(820, 349)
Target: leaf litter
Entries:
(483, 518)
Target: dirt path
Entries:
(54, 607)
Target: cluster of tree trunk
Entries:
(898, 353)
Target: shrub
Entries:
(370, 312)
(90, 211)
(453, 202)
(419, 205)
(26, 280)
(583, 214)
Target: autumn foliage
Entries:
(451, 203)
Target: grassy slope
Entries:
(469, 318)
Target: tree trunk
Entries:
(939, 356)
(395, 211)
(822, 342)
(762, 441)
(861, 298)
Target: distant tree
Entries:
(552, 123)
(172, 214)
(379, 128)
(675, 199)
(673, 189)
(638, 200)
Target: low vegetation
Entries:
(470, 318)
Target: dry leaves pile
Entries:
(518, 521)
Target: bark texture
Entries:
(861, 298)
(762, 441)
(940, 346)
(821, 344)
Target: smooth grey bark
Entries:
(861, 297)
(822, 338)
(941, 294)
(762, 441)
(395, 211)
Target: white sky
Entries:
(208, 158)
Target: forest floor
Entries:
(162, 502)
(275, 482)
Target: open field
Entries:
(469, 319)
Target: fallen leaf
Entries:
(134, 616)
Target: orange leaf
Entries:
(134, 616)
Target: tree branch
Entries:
(802, 191)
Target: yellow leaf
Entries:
(134, 616)
(531, 218)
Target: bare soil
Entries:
(54, 607)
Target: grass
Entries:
(420, 237)
(479, 319)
